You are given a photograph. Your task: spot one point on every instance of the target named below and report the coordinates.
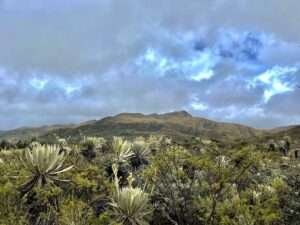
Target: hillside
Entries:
(176, 124)
(291, 131)
(29, 132)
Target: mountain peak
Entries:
(178, 114)
(130, 115)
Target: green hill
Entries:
(175, 124)
(29, 132)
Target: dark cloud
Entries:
(246, 48)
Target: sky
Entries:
(75, 60)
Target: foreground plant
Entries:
(44, 163)
(94, 142)
(74, 212)
(122, 150)
(130, 206)
(141, 150)
(90, 145)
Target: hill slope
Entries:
(177, 124)
(29, 132)
(291, 131)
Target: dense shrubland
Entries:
(151, 180)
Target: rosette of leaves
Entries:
(130, 205)
(122, 150)
(90, 144)
(122, 153)
(44, 163)
(141, 152)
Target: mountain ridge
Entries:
(179, 124)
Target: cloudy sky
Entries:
(76, 60)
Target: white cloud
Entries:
(276, 81)
(199, 106)
(203, 75)
(38, 83)
(197, 66)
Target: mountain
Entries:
(291, 131)
(29, 132)
(175, 124)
